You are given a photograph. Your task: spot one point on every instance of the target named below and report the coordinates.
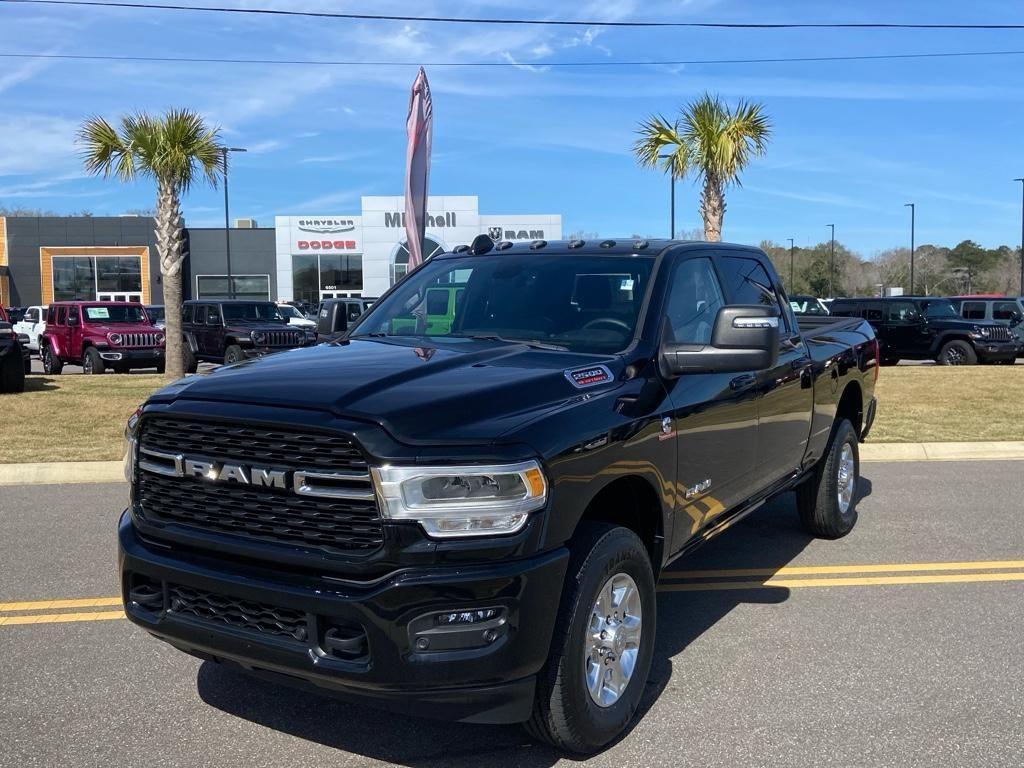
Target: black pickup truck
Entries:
(470, 524)
(14, 357)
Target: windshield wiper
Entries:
(373, 335)
(527, 342)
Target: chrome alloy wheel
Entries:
(846, 482)
(616, 622)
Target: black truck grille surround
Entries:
(141, 339)
(241, 614)
(252, 512)
(283, 338)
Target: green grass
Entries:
(81, 418)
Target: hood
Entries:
(960, 323)
(462, 390)
(106, 328)
(257, 325)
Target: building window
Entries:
(88, 278)
(316, 274)
(400, 257)
(253, 287)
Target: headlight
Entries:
(159, 339)
(131, 443)
(259, 337)
(114, 338)
(462, 501)
(980, 332)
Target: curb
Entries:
(57, 473)
(61, 472)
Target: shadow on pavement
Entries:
(769, 539)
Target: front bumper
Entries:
(134, 358)
(485, 681)
(988, 351)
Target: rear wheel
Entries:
(92, 363)
(233, 354)
(602, 645)
(52, 364)
(12, 373)
(957, 352)
(827, 502)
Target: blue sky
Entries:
(853, 141)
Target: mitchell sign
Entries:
(436, 222)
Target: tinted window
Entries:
(872, 312)
(32, 315)
(939, 308)
(1005, 310)
(354, 311)
(844, 309)
(186, 313)
(212, 315)
(693, 301)
(251, 311)
(746, 281)
(62, 315)
(72, 313)
(973, 310)
(437, 302)
(901, 312)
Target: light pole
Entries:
(912, 208)
(1021, 236)
(791, 283)
(672, 199)
(227, 223)
(832, 263)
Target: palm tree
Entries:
(710, 142)
(175, 150)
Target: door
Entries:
(786, 396)
(904, 328)
(714, 416)
(73, 333)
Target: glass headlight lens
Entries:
(259, 337)
(463, 501)
(114, 338)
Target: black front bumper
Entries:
(133, 358)
(488, 681)
(995, 352)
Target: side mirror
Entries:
(745, 338)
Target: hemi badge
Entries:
(588, 377)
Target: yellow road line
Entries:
(40, 605)
(817, 570)
(60, 618)
(863, 581)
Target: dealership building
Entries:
(303, 257)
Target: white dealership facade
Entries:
(323, 256)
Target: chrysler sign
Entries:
(326, 226)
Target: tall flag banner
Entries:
(419, 127)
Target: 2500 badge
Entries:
(588, 377)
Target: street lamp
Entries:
(672, 199)
(911, 206)
(227, 224)
(791, 283)
(832, 263)
(1021, 236)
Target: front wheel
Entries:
(602, 645)
(233, 354)
(827, 502)
(957, 352)
(52, 364)
(92, 363)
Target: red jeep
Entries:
(98, 334)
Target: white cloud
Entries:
(21, 74)
(262, 147)
(37, 143)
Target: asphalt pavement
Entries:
(900, 645)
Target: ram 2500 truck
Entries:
(470, 523)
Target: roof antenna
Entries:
(481, 244)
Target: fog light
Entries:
(466, 617)
(458, 630)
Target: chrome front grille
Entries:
(1000, 333)
(141, 340)
(283, 486)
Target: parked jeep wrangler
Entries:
(100, 334)
(228, 332)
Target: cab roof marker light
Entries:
(504, 245)
(607, 243)
(536, 245)
(577, 243)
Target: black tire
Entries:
(818, 500)
(52, 365)
(92, 363)
(12, 374)
(189, 359)
(957, 352)
(233, 354)
(161, 367)
(27, 365)
(564, 713)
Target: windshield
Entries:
(583, 303)
(254, 311)
(156, 314)
(114, 313)
(940, 308)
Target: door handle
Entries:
(743, 381)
